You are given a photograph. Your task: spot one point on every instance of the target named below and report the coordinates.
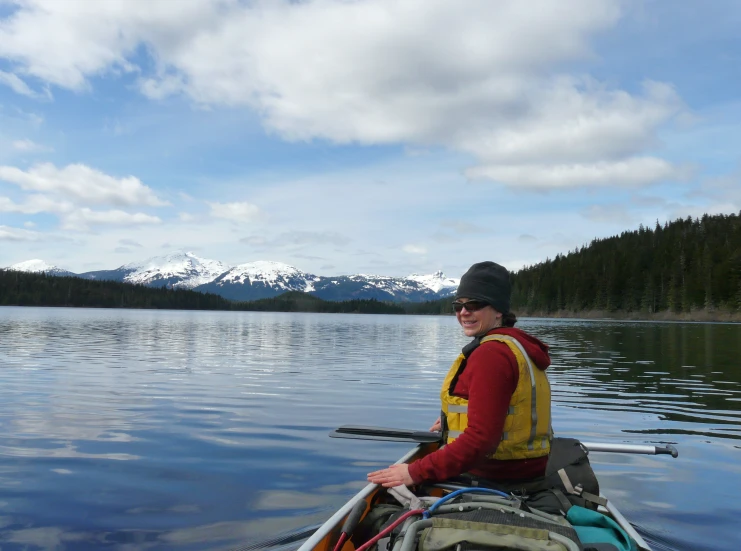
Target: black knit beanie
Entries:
(487, 282)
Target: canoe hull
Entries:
(327, 535)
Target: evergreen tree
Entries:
(680, 266)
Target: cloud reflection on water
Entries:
(204, 430)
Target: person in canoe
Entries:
(496, 399)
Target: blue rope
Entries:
(455, 494)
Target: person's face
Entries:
(477, 322)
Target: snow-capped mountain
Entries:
(182, 270)
(38, 266)
(437, 282)
(261, 279)
(372, 287)
(265, 279)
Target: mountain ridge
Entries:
(260, 279)
(36, 265)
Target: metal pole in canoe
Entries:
(362, 432)
(631, 448)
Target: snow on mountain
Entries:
(276, 274)
(437, 282)
(179, 270)
(38, 266)
(393, 285)
(260, 279)
(363, 286)
(265, 279)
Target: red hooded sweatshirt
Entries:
(487, 382)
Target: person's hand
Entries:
(437, 427)
(395, 475)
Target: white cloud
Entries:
(60, 43)
(440, 238)
(130, 243)
(8, 233)
(28, 146)
(414, 249)
(650, 201)
(577, 120)
(613, 213)
(484, 78)
(299, 238)
(34, 119)
(81, 183)
(720, 190)
(81, 219)
(35, 204)
(162, 87)
(239, 212)
(254, 240)
(188, 217)
(73, 217)
(16, 84)
(312, 238)
(636, 171)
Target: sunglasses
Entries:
(470, 305)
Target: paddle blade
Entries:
(380, 433)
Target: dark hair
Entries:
(509, 319)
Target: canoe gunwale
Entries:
(625, 525)
(334, 522)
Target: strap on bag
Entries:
(578, 490)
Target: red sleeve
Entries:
(491, 375)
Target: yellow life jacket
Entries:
(527, 428)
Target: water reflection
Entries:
(205, 430)
(657, 383)
(675, 371)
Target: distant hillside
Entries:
(683, 267)
(686, 269)
(40, 289)
(259, 279)
(296, 301)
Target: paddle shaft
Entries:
(631, 448)
(406, 435)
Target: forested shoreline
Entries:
(688, 269)
(38, 289)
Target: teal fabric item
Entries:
(594, 527)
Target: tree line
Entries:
(684, 266)
(296, 301)
(39, 289)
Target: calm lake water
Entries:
(170, 430)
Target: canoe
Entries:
(500, 512)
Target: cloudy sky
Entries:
(374, 136)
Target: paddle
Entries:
(389, 435)
(424, 437)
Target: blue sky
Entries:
(374, 136)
